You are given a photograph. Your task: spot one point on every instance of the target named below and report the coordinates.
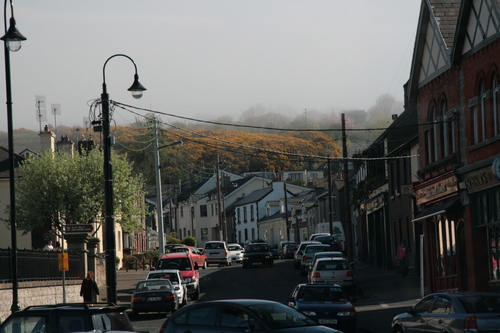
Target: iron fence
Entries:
(38, 265)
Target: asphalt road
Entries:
(381, 296)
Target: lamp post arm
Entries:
(106, 62)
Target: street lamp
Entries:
(12, 43)
(136, 89)
(159, 199)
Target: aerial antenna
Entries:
(56, 111)
(41, 110)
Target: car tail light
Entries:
(163, 327)
(137, 300)
(470, 323)
(316, 275)
(299, 253)
(304, 258)
(350, 274)
(225, 252)
(170, 297)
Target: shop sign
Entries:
(479, 178)
(374, 205)
(437, 190)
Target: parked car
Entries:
(274, 251)
(62, 318)
(217, 253)
(257, 254)
(236, 252)
(154, 295)
(327, 304)
(309, 251)
(188, 268)
(281, 248)
(297, 257)
(289, 251)
(335, 243)
(333, 271)
(250, 315)
(169, 247)
(175, 277)
(197, 255)
(327, 254)
(313, 236)
(456, 312)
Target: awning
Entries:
(435, 210)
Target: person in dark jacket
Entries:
(89, 289)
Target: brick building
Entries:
(454, 82)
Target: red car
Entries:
(196, 254)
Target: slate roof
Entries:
(255, 196)
(4, 162)
(446, 13)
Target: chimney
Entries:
(47, 140)
(65, 145)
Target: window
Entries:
(245, 214)
(182, 211)
(251, 213)
(496, 108)
(203, 211)
(482, 118)
(238, 215)
(442, 306)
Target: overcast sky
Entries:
(207, 58)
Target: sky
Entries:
(208, 58)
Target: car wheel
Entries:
(196, 294)
(205, 264)
(244, 265)
(397, 329)
(208, 264)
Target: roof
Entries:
(446, 13)
(5, 163)
(255, 196)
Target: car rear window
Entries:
(213, 246)
(481, 304)
(331, 265)
(112, 321)
(182, 264)
(25, 324)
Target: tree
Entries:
(69, 190)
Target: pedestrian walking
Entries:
(402, 257)
(89, 289)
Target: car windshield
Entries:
(321, 294)
(256, 248)
(481, 303)
(234, 248)
(182, 264)
(314, 249)
(161, 284)
(281, 316)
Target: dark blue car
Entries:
(327, 304)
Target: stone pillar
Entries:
(91, 256)
(77, 242)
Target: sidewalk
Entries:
(381, 295)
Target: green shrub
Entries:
(189, 241)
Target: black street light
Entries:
(12, 43)
(136, 89)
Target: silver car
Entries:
(309, 251)
(300, 251)
(457, 312)
(333, 271)
(236, 252)
(175, 276)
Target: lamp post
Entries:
(136, 89)
(12, 43)
(159, 199)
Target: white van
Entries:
(338, 229)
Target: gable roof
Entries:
(254, 196)
(5, 162)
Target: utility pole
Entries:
(347, 204)
(219, 202)
(287, 224)
(330, 206)
(159, 196)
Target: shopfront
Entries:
(378, 232)
(483, 188)
(444, 236)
